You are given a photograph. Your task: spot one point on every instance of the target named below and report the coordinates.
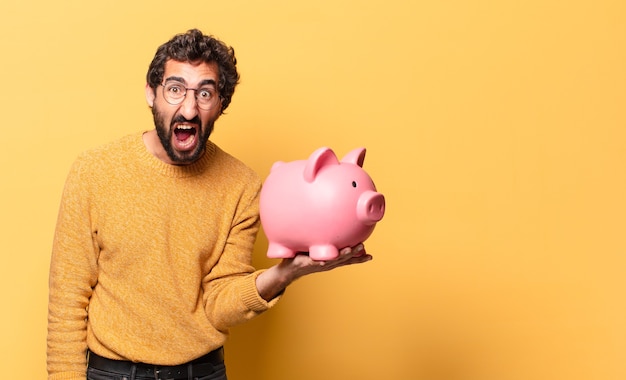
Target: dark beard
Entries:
(165, 135)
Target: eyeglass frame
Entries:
(195, 95)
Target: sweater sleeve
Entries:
(72, 276)
(230, 292)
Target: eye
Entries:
(205, 93)
(174, 89)
(353, 183)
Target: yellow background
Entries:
(495, 129)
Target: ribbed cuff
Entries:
(251, 297)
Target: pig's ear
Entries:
(356, 156)
(318, 159)
(276, 165)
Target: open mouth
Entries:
(185, 136)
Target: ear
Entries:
(318, 159)
(356, 156)
(150, 95)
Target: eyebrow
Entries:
(183, 81)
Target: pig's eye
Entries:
(353, 183)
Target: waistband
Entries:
(203, 366)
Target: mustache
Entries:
(182, 119)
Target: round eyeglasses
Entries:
(174, 93)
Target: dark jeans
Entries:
(210, 367)
(96, 374)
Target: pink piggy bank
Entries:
(319, 205)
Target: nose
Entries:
(189, 106)
(371, 207)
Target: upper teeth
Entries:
(184, 127)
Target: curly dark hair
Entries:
(193, 46)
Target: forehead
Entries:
(191, 72)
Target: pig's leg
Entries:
(323, 252)
(278, 251)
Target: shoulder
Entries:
(109, 154)
(111, 149)
(121, 146)
(233, 167)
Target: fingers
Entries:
(357, 250)
(347, 256)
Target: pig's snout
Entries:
(371, 207)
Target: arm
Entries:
(275, 280)
(229, 292)
(72, 275)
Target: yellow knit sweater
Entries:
(151, 262)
